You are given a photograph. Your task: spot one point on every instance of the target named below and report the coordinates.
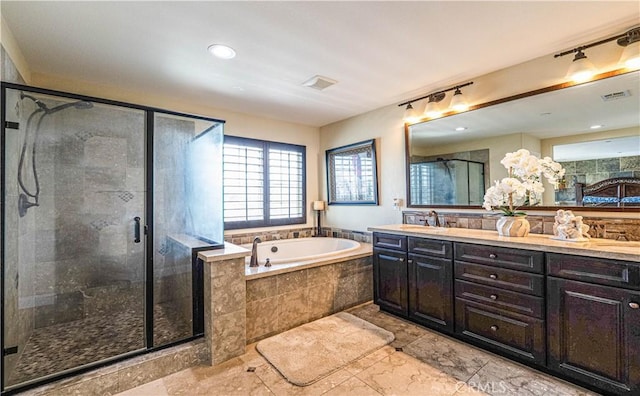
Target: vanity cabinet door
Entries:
(594, 334)
(431, 291)
(390, 281)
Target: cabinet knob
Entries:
(634, 305)
(494, 328)
(493, 276)
(492, 255)
(493, 297)
(401, 260)
(410, 261)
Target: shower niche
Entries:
(103, 206)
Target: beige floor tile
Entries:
(154, 388)
(281, 387)
(452, 357)
(229, 378)
(400, 374)
(502, 377)
(353, 387)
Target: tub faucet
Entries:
(254, 252)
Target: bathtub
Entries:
(294, 254)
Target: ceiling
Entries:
(380, 53)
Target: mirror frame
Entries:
(551, 88)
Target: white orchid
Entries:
(525, 171)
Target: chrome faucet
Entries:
(436, 221)
(254, 252)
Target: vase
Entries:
(513, 226)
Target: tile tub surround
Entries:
(291, 233)
(600, 227)
(602, 248)
(283, 301)
(225, 302)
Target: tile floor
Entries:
(427, 364)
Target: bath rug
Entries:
(310, 352)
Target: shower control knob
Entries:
(634, 305)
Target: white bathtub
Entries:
(302, 249)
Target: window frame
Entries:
(265, 145)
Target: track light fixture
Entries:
(432, 109)
(582, 69)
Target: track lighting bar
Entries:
(436, 96)
(623, 39)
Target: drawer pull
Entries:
(634, 305)
(493, 276)
(401, 260)
(493, 255)
(494, 328)
(493, 297)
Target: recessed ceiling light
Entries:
(222, 51)
(596, 126)
(461, 129)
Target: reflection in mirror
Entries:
(447, 182)
(540, 123)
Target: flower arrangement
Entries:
(523, 184)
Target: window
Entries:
(264, 183)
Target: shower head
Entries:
(80, 105)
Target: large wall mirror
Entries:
(593, 129)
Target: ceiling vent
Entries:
(319, 82)
(616, 95)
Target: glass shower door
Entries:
(74, 247)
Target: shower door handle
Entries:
(136, 230)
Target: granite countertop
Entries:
(230, 251)
(603, 248)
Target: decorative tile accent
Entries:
(99, 224)
(600, 227)
(126, 196)
(84, 135)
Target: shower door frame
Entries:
(147, 229)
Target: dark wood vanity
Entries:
(567, 314)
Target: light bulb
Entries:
(631, 55)
(581, 68)
(432, 110)
(410, 114)
(457, 101)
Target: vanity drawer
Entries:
(595, 270)
(522, 282)
(430, 247)
(524, 304)
(517, 335)
(390, 241)
(523, 260)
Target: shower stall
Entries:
(103, 206)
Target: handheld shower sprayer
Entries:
(24, 202)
